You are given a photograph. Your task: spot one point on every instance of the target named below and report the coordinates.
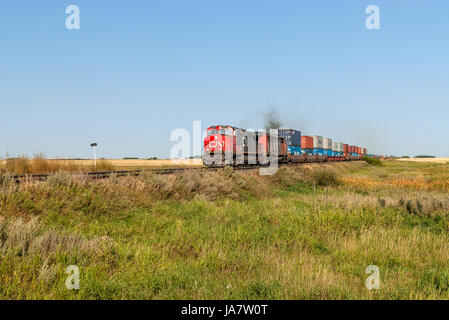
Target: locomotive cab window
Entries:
(212, 132)
(226, 132)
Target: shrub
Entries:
(372, 161)
(325, 177)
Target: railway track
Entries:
(98, 175)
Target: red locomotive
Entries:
(229, 145)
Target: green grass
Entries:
(230, 235)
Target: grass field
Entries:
(230, 234)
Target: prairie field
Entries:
(432, 160)
(307, 232)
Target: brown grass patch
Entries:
(39, 164)
(23, 237)
(418, 183)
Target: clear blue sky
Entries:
(136, 70)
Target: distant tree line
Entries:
(424, 156)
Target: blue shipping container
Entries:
(318, 151)
(328, 152)
(294, 150)
(337, 154)
(292, 137)
(307, 151)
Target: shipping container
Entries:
(327, 143)
(317, 142)
(292, 137)
(306, 142)
(294, 150)
(307, 151)
(318, 151)
(345, 148)
(337, 149)
(335, 146)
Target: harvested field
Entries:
(433, 160)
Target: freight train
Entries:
(228, 145)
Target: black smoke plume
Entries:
(272, 119)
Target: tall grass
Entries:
(39, 164)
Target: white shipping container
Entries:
(340, 146)
(335, 146)
(318, 142)
(327, 143)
